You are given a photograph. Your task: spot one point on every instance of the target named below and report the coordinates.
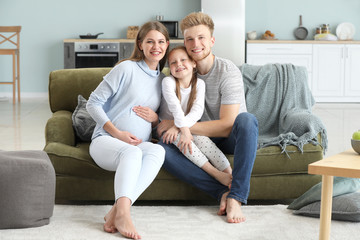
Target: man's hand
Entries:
(170, 135)
(221, 127)
(164, 125)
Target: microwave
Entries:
(172, 27)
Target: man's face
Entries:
(198, 42)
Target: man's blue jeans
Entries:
(242, 142)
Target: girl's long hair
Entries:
(137, 54)
(193, 82)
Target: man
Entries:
(225, 120)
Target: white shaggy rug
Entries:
(183, 222)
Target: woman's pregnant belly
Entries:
(135, 125)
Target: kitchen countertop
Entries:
(180, 40)
(125, 40)
(304, 41)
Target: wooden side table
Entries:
(345, 164)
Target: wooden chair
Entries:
(7, 37)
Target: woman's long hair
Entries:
(193, 82)
(137, 54)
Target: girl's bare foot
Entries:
(223, 178)
(228, 170)
(233, 210)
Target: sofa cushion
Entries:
(83, 123)
(273, 161)
(344, 208)
(66, 84)
(341, 185)
(76, 161)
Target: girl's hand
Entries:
(147, 114)
(128, 138)
(185, 140)
(170, 135)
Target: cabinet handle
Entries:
(346, 52)
(278, 48)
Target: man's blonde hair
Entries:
(195, 19)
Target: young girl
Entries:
(123, 106)
(183, 101)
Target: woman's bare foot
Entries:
(223, 178)
(122, 220)
(233, 211)
(222, 208)
(109, 220)
(124, 225)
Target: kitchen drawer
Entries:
(263, 48)
(296, 59)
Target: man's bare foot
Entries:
(109, 220)
(233, 210)
(222, 208)
(124, 225)
(223, 178)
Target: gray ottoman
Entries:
(27, 189)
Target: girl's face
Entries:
(154, 48)
(181, 66)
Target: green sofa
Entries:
(78, 178)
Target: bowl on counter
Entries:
(252, 35)
(355, 145)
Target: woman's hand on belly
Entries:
(121, 135)
(147, 114)
(128, 138)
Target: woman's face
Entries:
(181, 66)
(154, 48)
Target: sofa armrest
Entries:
(59, 128)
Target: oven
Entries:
(93, 54)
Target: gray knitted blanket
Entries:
(279, 96)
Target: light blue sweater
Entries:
(127, 85)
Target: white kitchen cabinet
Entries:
(333, 67)
(328, 71)
(336, 74)
(352, 71)
(297, 54)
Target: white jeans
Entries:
(135, 166)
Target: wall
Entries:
(282, 16)
(47, 23)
